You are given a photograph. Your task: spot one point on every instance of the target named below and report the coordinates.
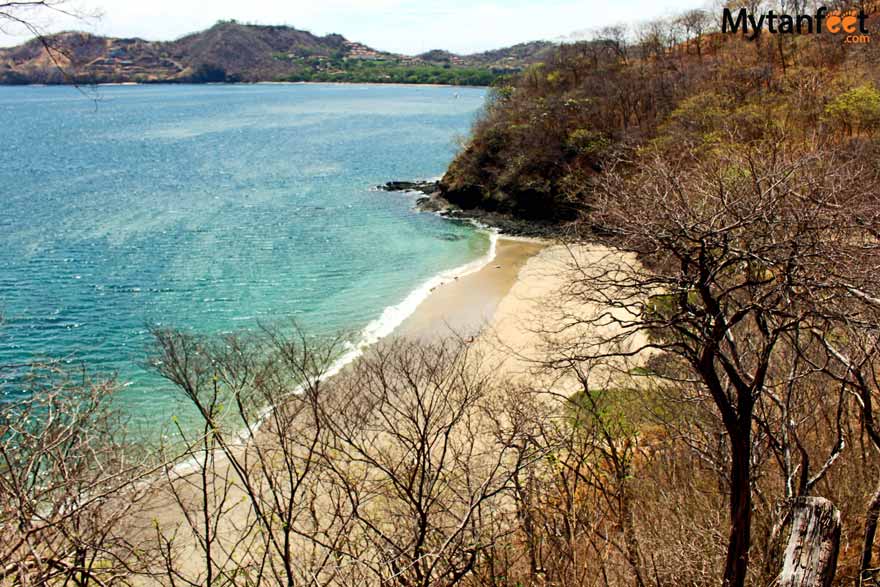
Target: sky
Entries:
(400, 26)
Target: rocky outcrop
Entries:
(434, 201)
(425, 187)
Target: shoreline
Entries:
(409, 85)
(518, 297)
(468, 303)
(395, 316)
(173, 83)
(446, 304)
(471, 306)
(459, 302)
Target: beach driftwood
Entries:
(810, 558)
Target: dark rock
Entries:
(425, 187)
(434, 203)
(505, 222)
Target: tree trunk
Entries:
(633, 552)
(870, 532)
(773, 555)
(810, 558)
(737, 563)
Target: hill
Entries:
(514, 57)
(235, 52)
(549, 132)
(740, 176)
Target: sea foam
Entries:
(390, 319)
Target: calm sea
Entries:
(215, 208)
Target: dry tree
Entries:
(390, 472)
(729, 274)
(69, 480)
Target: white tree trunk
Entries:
(810, 558)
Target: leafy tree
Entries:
(856, 110)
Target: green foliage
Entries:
(699, 117)
(663, 307)
(587, 142)
(502, 93)
(613, 411)
(381, 71)
(856, 110)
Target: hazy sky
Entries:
(404, 26)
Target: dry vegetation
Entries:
(742, 176)
(549, 136)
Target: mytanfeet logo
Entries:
(851, 24)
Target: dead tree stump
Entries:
(810, 558)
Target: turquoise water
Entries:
(213, 208)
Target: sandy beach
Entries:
(466, 305)
(512, 309)
(502, 311)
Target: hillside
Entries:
(550, 132)
(513, 58)
(741, 177)
(234, 52)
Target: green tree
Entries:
(856, 110)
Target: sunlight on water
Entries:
(213, 208)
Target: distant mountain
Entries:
(233, 52)
(576, 36)
(514, 57)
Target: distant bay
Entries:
(214, 208)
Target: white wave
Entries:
(390, 319)
(394, 316)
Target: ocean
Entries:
(215, 209)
